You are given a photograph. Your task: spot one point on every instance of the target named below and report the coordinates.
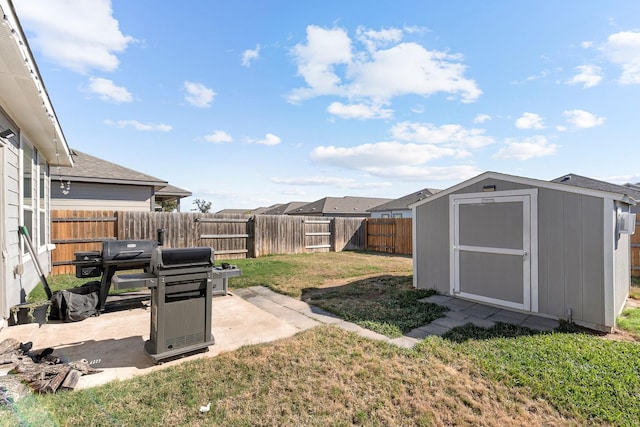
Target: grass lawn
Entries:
(326, 376)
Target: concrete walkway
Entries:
(303, 316)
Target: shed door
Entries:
(492, 248)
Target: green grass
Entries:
(629, 320)
(582, 376)
(388, 305)
(68, 281)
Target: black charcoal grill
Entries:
(116, 255)
(181, 282)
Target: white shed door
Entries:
(491, 248)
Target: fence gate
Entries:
(317, 235)
(227, 236)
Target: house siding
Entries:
(92, 196)
(406, 213)
(11, 246)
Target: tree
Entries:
(169, 205)
(202, 206)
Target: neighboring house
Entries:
(31, 145)
(96, 184)
(284, 209)
(234, 211)
(550, 248)
(399, 208)
(340, 206)
(170, 193)
(581, 181)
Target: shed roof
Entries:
(339, 205)
(88, 168)
(405, 202)
(617, 192)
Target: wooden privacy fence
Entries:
(635, 250)
(392, 235)
(231, 236)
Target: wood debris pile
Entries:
(42, 372)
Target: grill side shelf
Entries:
(139, 280)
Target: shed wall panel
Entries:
(551, 247)
(592, 260)
(571, 226)
(622, 266)
(432, 245)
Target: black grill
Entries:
(116, 255)
(181, 282)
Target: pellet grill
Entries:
(181, 282)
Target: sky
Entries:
(251, 103)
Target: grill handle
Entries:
(127, 254)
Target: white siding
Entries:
(405, 213)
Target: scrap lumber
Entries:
(43, 372)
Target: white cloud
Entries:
(376, 73)
(366, 156)
(326, 180)
(359, 111)
(218, 136)
(530, 121)
(588, 76)
(525, 149)
(424, 173)
(75, 34)
(586, 44)
(481, 118)
(108, 91)
(583, 119)
(623, 49)
(158, 127)
(374, 40)
(451, 134)
(250, 55)
(198, 94)
(269, 140)
(316, 61)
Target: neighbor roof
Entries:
(617, 192)
(594, 184)
(405, 201)
(340, 205)
(172, 191)
(284, 209)
(88, 168)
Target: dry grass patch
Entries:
(324, 376)
(290, 274)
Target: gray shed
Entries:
(548, 248)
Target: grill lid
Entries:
(127, 250)
(165, 258)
